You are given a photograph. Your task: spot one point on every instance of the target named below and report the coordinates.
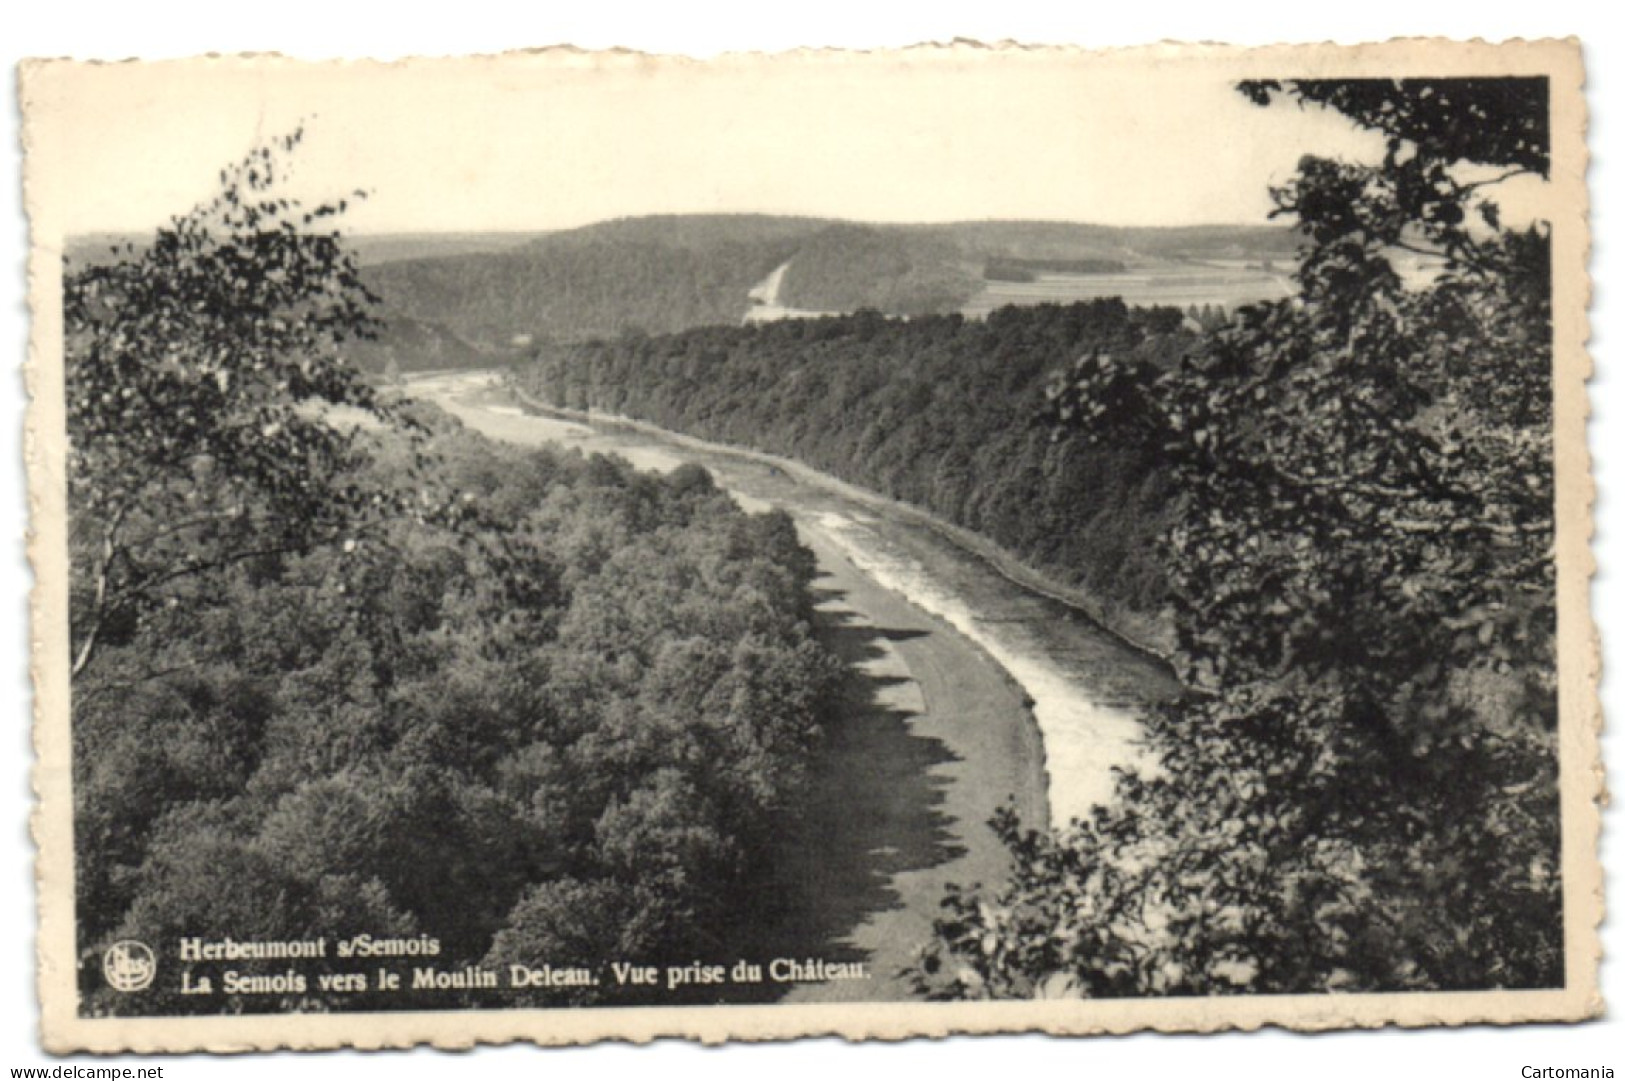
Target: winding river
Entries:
(968, 692)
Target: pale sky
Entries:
(560, 140)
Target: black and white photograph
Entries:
(577, 545)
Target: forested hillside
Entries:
(900, 272)
(471, 300)
(554, 290)
(404, 345)
(1359, 792)
(558, 730)
(1342, 502)
(342, 668)
(940, 411)
(664, 274)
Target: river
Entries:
(969, 691)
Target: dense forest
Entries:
(342, 668)
(404, 345)
(552, 291)
(1339, 504)
(847, 267)
(939, 411)
(1359, 790)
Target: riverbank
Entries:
(1148, 635)
(930, 736)
(1086, 687)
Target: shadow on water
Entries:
(872, 811)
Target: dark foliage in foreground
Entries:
(1359, 791)
(356, 671)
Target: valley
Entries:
(964, 692)
(482, 298)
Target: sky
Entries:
(562, 139)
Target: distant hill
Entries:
(375, 249)
(901, 271)
(464, 299)
(572, 287)
(97, 249)
(415, 345)
(1132, 245)
(691, 232)
(667, 273)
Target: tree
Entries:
(200, 370)
(1359, 789)
(389, 678)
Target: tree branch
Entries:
(99, 608)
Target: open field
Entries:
(1175, 284)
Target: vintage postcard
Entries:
(570, 546)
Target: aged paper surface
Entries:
(326, 764)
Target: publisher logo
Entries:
(129, 966)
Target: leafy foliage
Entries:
(1359, 792)
(383, 677)
(937, 411)
(199, 372)
(599, 685)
